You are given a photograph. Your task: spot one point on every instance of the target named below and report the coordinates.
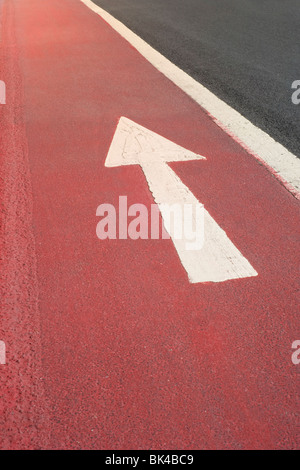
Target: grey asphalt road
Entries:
(247, 52)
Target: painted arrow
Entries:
(218, 260)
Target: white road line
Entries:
(282, 163)
(215, 259)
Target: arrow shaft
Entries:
(218, 260)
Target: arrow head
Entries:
(132, 144)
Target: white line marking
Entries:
(218, 260)
(280, 162)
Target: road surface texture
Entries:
(245, 51)
(109, 346)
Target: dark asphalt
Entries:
(247, 52)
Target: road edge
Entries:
(281, 163)
(23, 406)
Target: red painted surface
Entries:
(121, 351)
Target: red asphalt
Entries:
(108, 344)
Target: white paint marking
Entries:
(280, 162)
(219, 260)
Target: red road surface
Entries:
(108, 344)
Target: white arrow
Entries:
(218, 260)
